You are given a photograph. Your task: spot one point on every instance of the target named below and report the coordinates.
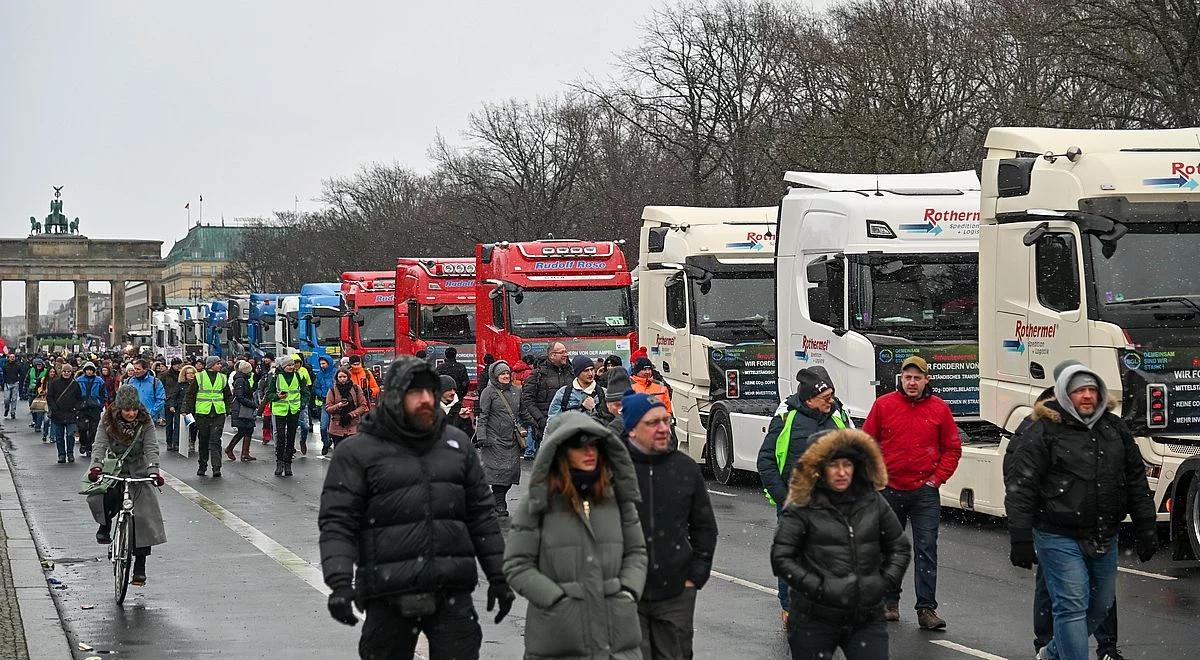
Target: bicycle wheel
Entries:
(122, 555)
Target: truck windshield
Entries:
(1150, 272)
(453, 324)
(734, 306)
(378, 329)
(189, 332)
(572, 313)
(901, 293)
(329, 332)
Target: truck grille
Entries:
(1186, 450)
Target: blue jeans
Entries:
(923, 508)
(531, 442)
(783, 586)
(39, 422)
(10, 400)
(1043, 619)
(64, 437)
(304, 423)
(1082, 591)
(325, 440)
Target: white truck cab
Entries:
(1088, 252)
(705, 313)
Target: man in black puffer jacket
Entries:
(406, 502)
(840, 548)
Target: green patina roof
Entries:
(207, 243)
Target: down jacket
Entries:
(839, 560)
(1075, 481)
(573, 568)
(539, 389)
(407, 511)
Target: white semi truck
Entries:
(1088, 251)
(706, 280)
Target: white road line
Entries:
(1156, 576)
(967, 650)
(717, 492)
(745, 583)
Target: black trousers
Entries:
(209, 429)
(667, 626)
(87, 422)
(453, 631)
(500, 495)
(285, 436)
(813, 639)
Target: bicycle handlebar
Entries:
(126, 479)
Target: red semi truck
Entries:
(529, 295)
(368, 329)
(435, 308)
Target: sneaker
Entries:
(201, 472)
(71, 458)
(1109, 653)
(929, 620)
(892, 612)
(62, 459)
(324, 451)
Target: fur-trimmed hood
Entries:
(1042, 409)
(812, 463)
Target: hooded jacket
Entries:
(323, 379)
(151, 393)
(677, 520)
(405, 510)
(806, 422)
(1074, 476)
(498, 418)
(919, 438)
(572, 568)
(653, 388)
(839, 553)
(539, 389)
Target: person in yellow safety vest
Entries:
(208, 400)
(286, 392)
(812, 409)
(305, 422)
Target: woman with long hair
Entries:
(128, 431)
(346, 404)
(245, 407)
(499, 433)
(576, 549)
(41, 421)
(175, 397)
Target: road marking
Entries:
(717, 492)
(967, 650)
(1135, 571)
(310, 574)
(745, 583)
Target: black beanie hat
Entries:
(580, 364)
(809, 383)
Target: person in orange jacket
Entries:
(365, 380)
(644, 382)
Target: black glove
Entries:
(500, 592)
(1147, 545)
(1021, 555)
(341, 606)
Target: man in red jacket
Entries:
(921, 447)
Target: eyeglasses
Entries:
(563, 352)
(650, 423)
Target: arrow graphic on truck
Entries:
(1179, 181)
(1014, 345)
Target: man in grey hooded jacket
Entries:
(1075, 477)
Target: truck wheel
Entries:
(720, 447)
(1191, 519)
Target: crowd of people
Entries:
(615, 534)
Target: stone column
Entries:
(118, 312)
(32, 312)
(154, 294)
(82, 307)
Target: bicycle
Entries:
(120, 549)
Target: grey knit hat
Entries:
(127, 398)
(210, 361)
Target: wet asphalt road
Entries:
(212, 592)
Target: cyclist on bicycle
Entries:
(128, 430)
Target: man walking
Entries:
(285, 393)
(405, 513)
(921, 448)
(12, 386)
(539, 389)
(150, 389)
(1086, 457)
(208, 400)
(456, 370)
(583, 393)
(679, 526)
(92, 398)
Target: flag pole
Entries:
(201, 210)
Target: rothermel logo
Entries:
(1025, 331)
(809, 344)
(1183, 175)
(754, 241)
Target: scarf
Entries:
(126, 430)
(584, 481)
(589, 390)
(447, 406)
(346, 394)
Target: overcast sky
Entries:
(137, 108)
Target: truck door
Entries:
(1057, 327)
(818, 332)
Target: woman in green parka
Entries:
(576, 549)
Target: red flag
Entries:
(188, 206)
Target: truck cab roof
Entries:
(673, 234)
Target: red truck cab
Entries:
(435, 309)
(530, 295)
(368, 329)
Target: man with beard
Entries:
(405, 513)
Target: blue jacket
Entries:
(323, 381)
(151, 392)
(92, 391)
(569, 397)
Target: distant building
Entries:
(199, 258)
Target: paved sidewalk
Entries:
(30, 626)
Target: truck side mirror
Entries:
(656, 240)
(1034, 235)
(817, 272)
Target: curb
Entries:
(45, 632)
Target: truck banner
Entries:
(953, 372)
(466, 357)
(743, 371)
(594, 347)
(1174, 372)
